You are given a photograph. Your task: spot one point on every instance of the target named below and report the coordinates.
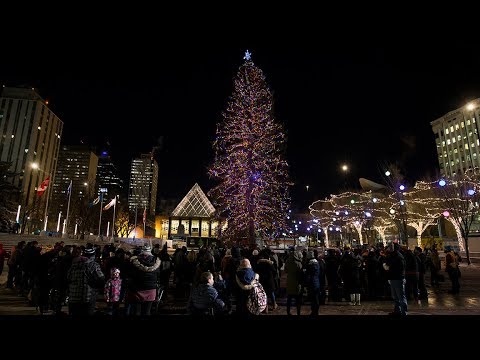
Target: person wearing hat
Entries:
(142, 289)
(84, 279)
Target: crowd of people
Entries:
(217, 281)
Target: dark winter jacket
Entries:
(312, 275)
(267, 272)
(145, 271)
(204, 297)
(396, 265)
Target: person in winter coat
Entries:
(451, 267)
(267, 273)
(204, 298)
(245, 277)
(395, 266)
(112, 291)
(84, 279)
(142, 290)
(312, 282)
(293, 267)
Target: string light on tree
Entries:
(249, 165)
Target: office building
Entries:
(457, 139)
(30, 134)
(77, 164)
(108, 180)
(143, 184)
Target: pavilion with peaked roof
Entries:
(195, 212)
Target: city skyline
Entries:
(359, 106)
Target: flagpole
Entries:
(100, 221)
(65, 228)
(135, 228)
(144, 222)
(50, 183)
(113, 223)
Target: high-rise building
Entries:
(108, 180)
(143, 184)
(457, 139)
(30, 136)
(77, 164)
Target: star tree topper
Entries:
(248, 55)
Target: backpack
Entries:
(257, 299)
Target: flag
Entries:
(98, 199)
(110, 204)
(69, 190)
(43, 186)
(145, 215)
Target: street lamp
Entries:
(50, 184)
(345, 169)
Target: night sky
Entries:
(361, 105)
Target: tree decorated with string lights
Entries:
(398, 211)
(381, 219)
(322, 211)
(363, 211)
(423, 208)
(461, 197)
(249, 166)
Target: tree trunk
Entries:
(467, 248)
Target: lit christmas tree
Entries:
(252, 190)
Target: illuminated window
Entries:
(446, 131)
(451, 128)
(456, 127)
(204, 228)
(186, 225)
(175, 224)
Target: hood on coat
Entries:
(148, 264)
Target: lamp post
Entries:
(345, 172)
(59, 219)
(50, 184)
